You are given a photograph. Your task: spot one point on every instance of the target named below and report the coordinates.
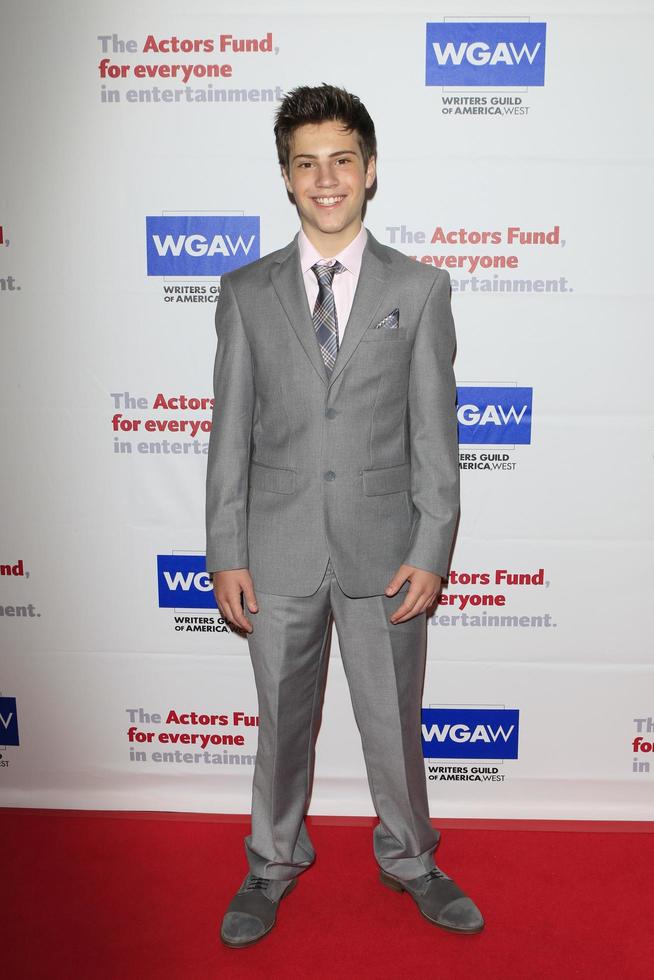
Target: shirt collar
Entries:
(350, 257)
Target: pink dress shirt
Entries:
(345, 282)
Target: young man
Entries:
(333, 490)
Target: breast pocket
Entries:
(385, 335)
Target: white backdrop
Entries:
(548, 615)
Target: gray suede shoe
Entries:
(252, 912)
(440, 900)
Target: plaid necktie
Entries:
(324, 312)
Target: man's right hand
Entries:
(227, 588)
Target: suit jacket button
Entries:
(330, 413)
(330, 475)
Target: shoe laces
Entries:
(255, 883)
(436, 873)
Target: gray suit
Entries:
(363, 466)
(323, 486)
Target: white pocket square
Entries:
(390, 322)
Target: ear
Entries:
(371, 172)
(286, 180)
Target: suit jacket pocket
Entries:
(390, 479)
(386, 334)
(263, 477)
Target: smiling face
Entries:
(328, 180)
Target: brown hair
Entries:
(306, 105)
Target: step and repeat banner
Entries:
(138, 165)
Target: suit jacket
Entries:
(362, 465)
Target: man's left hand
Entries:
(423, 591)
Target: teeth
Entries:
(329, 200)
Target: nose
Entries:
(325, 176)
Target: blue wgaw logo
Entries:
(470, 733)
(8, 722)
(472, 53)
(494, 416)
(200, 245)
(184, 583)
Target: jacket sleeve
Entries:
(433, 433)
(229, 441)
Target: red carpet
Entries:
(120, 896)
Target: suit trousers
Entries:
(384, 665)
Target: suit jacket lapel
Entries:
(370, 294)
(288, 283)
